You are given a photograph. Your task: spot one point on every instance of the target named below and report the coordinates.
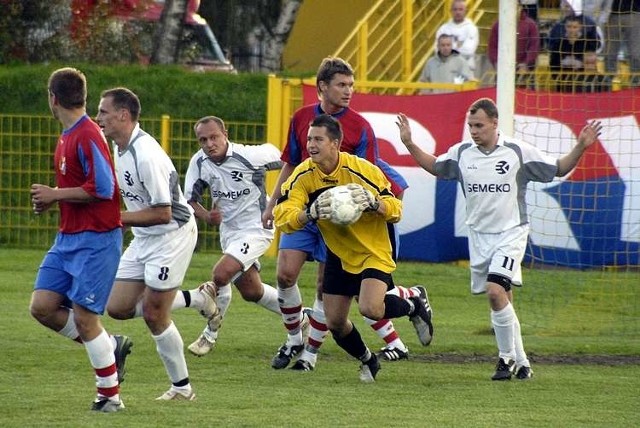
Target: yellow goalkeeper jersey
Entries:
(365, 244)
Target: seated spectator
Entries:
(573, 8)
(569, 54)
(446, 66)
(527, 45)
(465, 33)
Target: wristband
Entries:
(307, 212)
(375, 205)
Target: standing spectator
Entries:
(234, 174)
(77, 273)
(531, 8)
(569, 54)
(623, 26)
(446, 66)
(334, 82)
(527, 45)
(465, 33)
(153, 266)
(360, 256)
(494, 170)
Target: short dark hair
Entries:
(126, 99)
(331, 124)
(69, 85)
(208, 119)
(485, 104)
(329, 67)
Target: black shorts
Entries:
(338, 281)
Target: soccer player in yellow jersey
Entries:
(360, 255)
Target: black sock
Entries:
(183, 382)
(352, 343)
(187, 298)
(395, 307)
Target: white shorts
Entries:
(246, 247)
(497, 253)
(161, 261)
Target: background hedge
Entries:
(172, 90)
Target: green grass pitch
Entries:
(581, 330)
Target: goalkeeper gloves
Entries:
(320, 209)
(363, 197)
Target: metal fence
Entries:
(27, 144)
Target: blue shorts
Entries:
(309, 240)
(82, 267)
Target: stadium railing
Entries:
(27, 143)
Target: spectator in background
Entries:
(623, 26)
(446, 66)
(531, 7)
(527, 44)
(465, 33)
(570, 53)
(573, 8)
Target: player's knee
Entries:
(117, 313)
(372, 310)
(250, 293)
(497, 289)
(286, 279)
(38, 312)
(220, 279)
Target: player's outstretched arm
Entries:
(587, 137)
(267, 215)
(424, 159)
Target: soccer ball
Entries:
(343, 210)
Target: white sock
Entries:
(269, 299)
(70, 330)
(502, 321)
(100, 352)
(138, 311)
(169, 345)
(179, 301)
(521, 355)
(317, 333)
(387, 332)
(224, 299)
(290, 302)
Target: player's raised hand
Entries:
(405, 129)
(590, 133)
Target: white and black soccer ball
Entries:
(343, 210)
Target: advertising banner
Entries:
(589, 218)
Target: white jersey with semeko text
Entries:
(148, 178)
(236, 185)
(494, 184)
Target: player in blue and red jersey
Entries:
(76, 275)
(334, 81)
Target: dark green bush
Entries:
(172, 90)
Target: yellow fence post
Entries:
(407, 39)
(165, 132)
(275, 106)
(363, 51)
